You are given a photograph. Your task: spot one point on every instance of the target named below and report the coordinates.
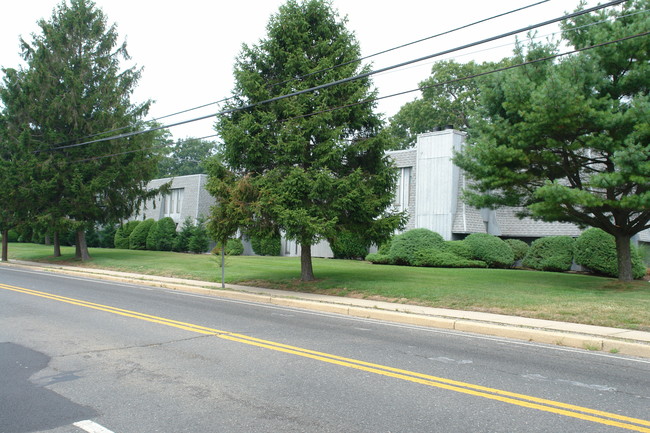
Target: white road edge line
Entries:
(91, 427)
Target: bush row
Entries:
(593, 249)
(161, 235)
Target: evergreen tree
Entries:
(570, 141)
(310, 175)
(76, 89)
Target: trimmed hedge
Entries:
(491, 250)
(378, 259)
(596, 250)
(553, 253)
(444, 259)
(405, 247)
(459, 248)
(519, 248)
(138, 237)
(122, 234)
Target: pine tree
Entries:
(311, 175)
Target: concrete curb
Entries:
(612, 340)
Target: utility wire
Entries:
(469, 77)
(330, 68)
(439, 84)
(349, 79)
(415, 42)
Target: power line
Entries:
(469, 77)
(329, 68)
(416, 41)
(349, 79)
(443, 83)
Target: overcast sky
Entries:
(187, 47)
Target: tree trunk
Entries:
(57, 245)
(77, 246)
(82, 247)
(624, 257)
(48, 240)
(306, 269)
(5, 245)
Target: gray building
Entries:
(430, 188)
(186, 198)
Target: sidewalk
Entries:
(598, 338)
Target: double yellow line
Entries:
(573, 411)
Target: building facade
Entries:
(429, 188)
(187, 198)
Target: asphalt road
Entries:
(125, 359)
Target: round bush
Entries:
(596, 250)
(405, 247)
(122, 234)
(519, 248)
(491, 250)
(349, 245)
(138, 237)
(553, 253)
(444, 259)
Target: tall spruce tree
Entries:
(76, 89)
(311, 175)
(570, 140)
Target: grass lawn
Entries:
(544, 295)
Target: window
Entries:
(173, 202)
(403, 189)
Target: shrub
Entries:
(459, 248)
(234, 247)
(444, 259)
(491, 250)
(138, 237)
(199, 242)
(596, 250)
(182, 241)
(378, 259)
(553, 253)
(162, 235)
(519, 248)
(349, 245)
(152, 236)
(405, 247)
(122, 234)
(384, 248)
(267, 245)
